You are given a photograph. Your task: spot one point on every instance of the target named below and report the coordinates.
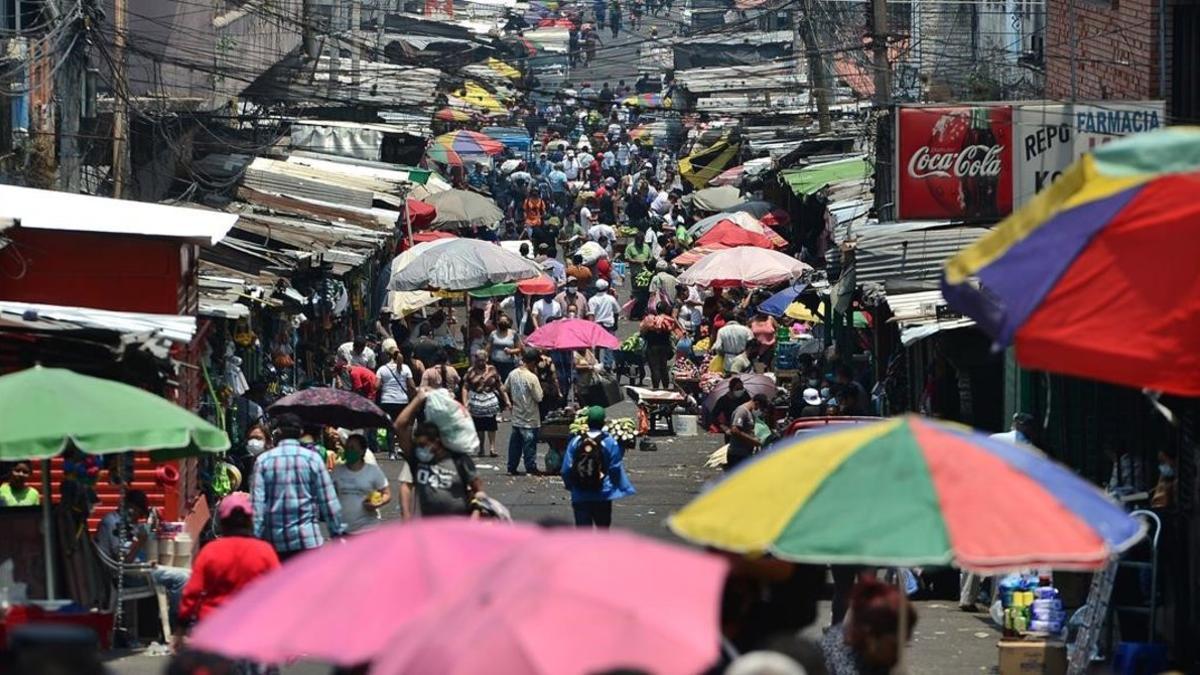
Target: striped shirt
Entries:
(292, 492)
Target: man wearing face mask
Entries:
(122, 536)
(293, 493)
(445, 482)
(571, 298)
(362, 489)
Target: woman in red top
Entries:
(224, 566)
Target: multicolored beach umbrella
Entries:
(648, 101)
(460, 147)
(909, 491)
(1096, 276)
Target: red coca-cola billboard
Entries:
(954, 163)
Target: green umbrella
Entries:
(502, 289)
(45, 410)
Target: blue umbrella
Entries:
(776, 304)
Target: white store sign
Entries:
(1049, 137)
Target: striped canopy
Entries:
(910, 491)
(1096, 276)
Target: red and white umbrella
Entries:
(747, 266)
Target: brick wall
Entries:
(1116, 50)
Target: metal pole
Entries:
(120, 148)
(355, 47)
(879, 47)
(48, 531)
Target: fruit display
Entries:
(624, 429)
(633, 343)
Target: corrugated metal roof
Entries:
(150, 327)
(50, 210)
(917, 315)
(912, 252)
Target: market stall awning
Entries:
(50, 210)
(925, 313)
(813, 178)
(705, 165)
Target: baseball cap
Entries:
(596, 417)
(234, 501)
(812, 396)
(602, 285)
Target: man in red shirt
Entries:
(224, 566)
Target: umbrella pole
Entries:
(47, 531)
(901, 622)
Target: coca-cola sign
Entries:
(954, 163)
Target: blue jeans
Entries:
(522, 443)
(607, 358)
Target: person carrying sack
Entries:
(593, 470)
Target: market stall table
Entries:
(658, 405)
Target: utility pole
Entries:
(120, 145)
(355, 46)
(69, 88)
(879, 49)
(308, 13)
(335, 47)
(818, 77)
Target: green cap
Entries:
(595, 417)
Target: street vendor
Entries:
(445, 482)
(593, 470)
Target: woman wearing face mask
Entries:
(1163, 496)
(867, 642)
(362, 489)
(504, 347)
(484, 398)
(445, 482)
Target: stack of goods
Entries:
(1031, 604)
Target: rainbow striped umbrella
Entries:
(460, 147)
(452, 115)
(910, 491)
(1096, 276)
(648, 101)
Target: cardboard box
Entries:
(1032, 657)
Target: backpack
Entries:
(588, 470)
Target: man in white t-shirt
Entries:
(603, 308)
(356, 353)
(602, 231)
(545, 310)
(362, 489)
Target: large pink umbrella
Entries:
(331, 605)
(748, 266)
(572, 334)
(573, 602)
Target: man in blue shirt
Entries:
(558, 186)
(293, 492)
(593, 506)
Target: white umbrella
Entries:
(748, 266)
(463, 264)
(716, 198)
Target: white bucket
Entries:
(686, 425)
(183, 550)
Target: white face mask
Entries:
(424, 454)
(255, 446)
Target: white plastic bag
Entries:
(453, 420)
